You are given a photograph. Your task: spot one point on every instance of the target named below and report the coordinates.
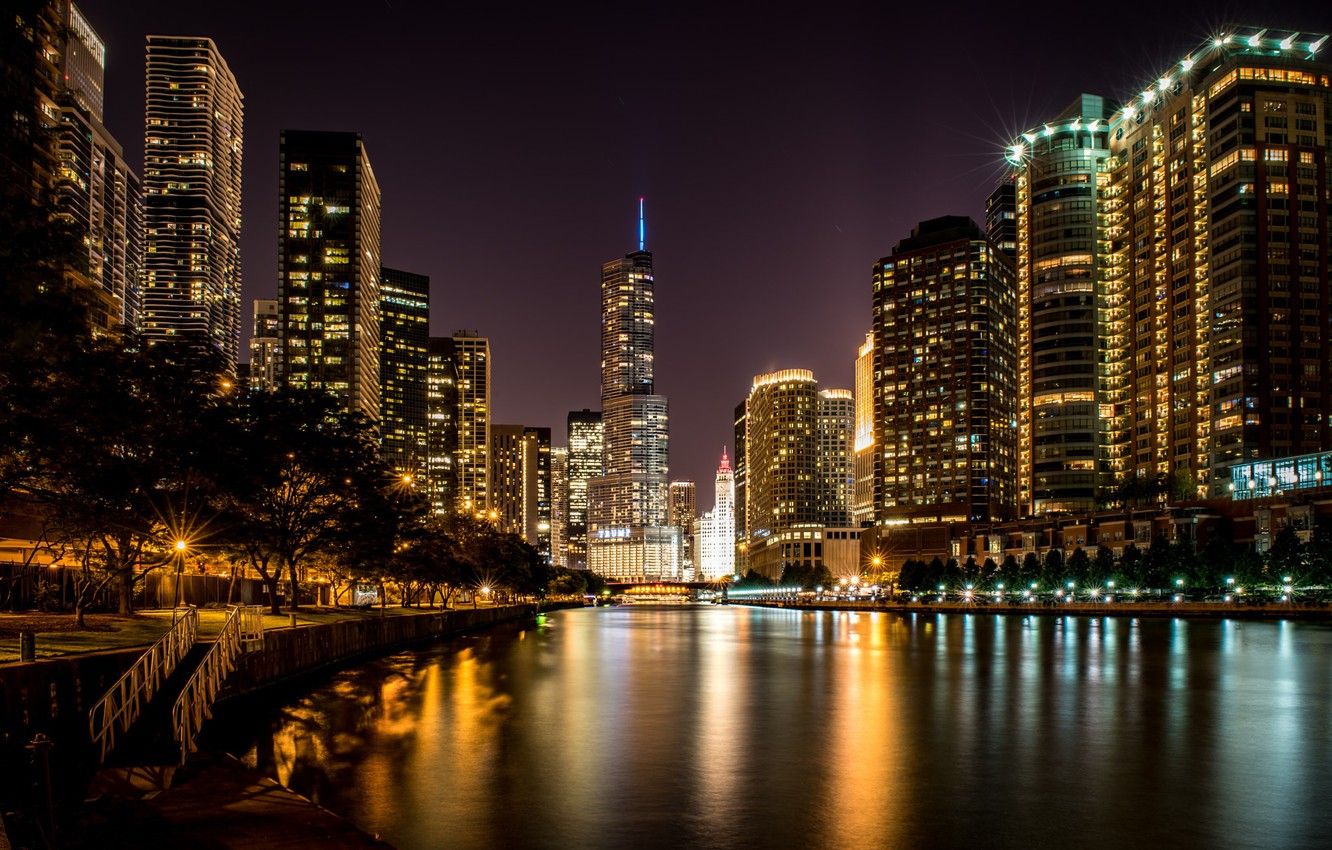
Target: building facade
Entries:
(682, 513)
(329, 267)
(539, 523)
(442, 414)
(944, 402)
(192, 159)
(836, 455)
(715, 530)
(584, 441)
(512, 480)
(559, 505)
(862, 499)
(472, 457)
(404, 340)
(265, 345)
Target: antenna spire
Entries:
(642, 226)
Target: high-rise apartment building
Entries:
(539, 521)
(265, 345)
(96, 190)
(472, 457)
(862, 499)
(442, 416)
(682, 513)
(559, 505)
(1185, 232)
(628, 534)
(404, 345)
(584, 440)
(715, 530)
(741, 536)
(944, 352)
(836, 455)
(512, 480)
(193, 134)
(797, 443)
(329, 267)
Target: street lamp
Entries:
(180, 547)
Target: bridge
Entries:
(662, 586)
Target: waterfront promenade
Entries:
(1199, 610)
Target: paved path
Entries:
(222, 804)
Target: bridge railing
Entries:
(122, 704)
(195, 703)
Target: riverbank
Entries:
(1185, 610)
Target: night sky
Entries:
(781, 154)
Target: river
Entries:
(730, 727)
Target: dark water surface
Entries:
(717, 726)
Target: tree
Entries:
(1031, 568)
(124, 463)
(1103, 565)
(1053, 573)
(296, 473)
(1287, 557)
(1079, 568)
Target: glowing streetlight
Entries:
(181, 545)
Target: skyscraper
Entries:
(797, 455)
(404, 343)
(862, 502)
(836, 457)
(741, 535)
(329, 267)
(442, 415)
(943, 347)
(472, 458)
(539, 520)
(1172, 277)
(512, 481)
(192, 195)
(559, 505)
(96, 190)
(716, 528)
(628, 534)
(682, 513)
(584, 439)
(265, 345)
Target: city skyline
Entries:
(811, 206)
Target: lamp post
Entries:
(179, 548)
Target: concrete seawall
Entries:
(52, 697)
(308, 649)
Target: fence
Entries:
(24, 587)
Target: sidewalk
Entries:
(57, 636)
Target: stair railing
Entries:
(195, 703)
(120, 707)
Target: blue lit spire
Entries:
(642, 226)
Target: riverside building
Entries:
(629, 535)
(797, 442)
(404, 344)
(1172, 276)
(584, 440)
(944, 356)
(329, 267)
(192, 157)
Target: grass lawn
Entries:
(56, 634)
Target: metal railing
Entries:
(244, 625)
(122, 704)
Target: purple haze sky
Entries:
(781, 154)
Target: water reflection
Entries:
(738, 727)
